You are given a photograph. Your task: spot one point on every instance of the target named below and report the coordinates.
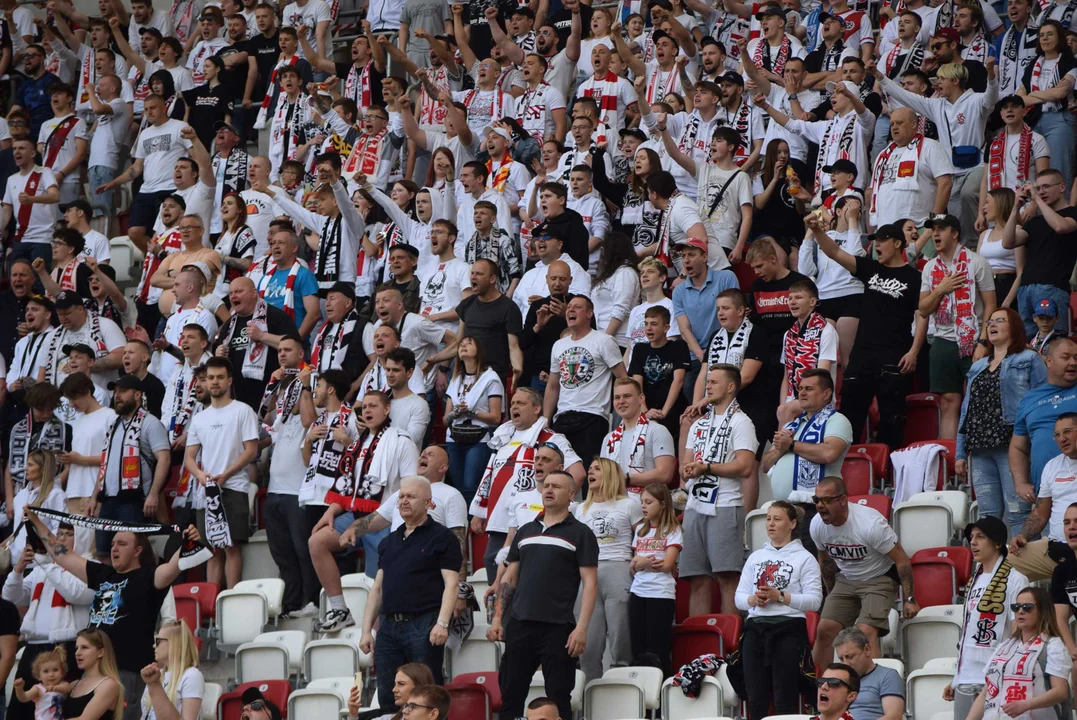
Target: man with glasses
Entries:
(838, 688)
(427, 702)
(862, 563)
(33, 93)
(882, 691)
(1050, 242)
(257, 707)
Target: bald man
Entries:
(261, 209)
(913, 173)
(535, 282)
(544, 318)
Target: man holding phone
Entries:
(544, 319)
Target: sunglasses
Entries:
(158, 640)
(832, 682)
(826, 499)
(258, 705)
(1022, 607)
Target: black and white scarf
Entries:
(1018, 49)
(977, 50)
(61, 337)
(333, 339)
(724, 349)
(325, 454)
(845, 146)
(50, 435)
(218, 534)
(287, 395)
(710, 445)
(327, 264)
(256, 356)
(132, 435)
(231, 172)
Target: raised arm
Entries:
(826, 243)
(73, 563)
(132, 57)
(411, 125)
(167, 572)
(632, 61)
(685, 161)
(317, 61)
(201, 156)
(508, 46)
(575, 36)
(459, 32)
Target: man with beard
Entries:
(13, 304)
(663, 73)
(32, 94)
(449, 283)
(338, 344)
(29, 354)
(561, 65)
(31, 198)
(77, 326)
(793, 99)
(230, 163)
(532, 287)
(181, 397)
(1017, 49)
(511, 469)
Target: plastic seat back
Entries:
(271, 587)
(919, 525)
(879, 503)
(262, 660)
(923, 417)
(677, 706)
(858, 474)
(241, 615)
(647, 679)
(314, 704)
(205, 593)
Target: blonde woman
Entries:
(174, 684)
(41, 490)
(612, 517)
(98, 694)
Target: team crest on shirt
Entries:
(577, 367)
(773, 573)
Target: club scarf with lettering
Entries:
(604, 91)
(289, 286)
(65, 277)
(710, 444)
(1010, 673)
(333, 339)
(914, 58)
(170, 242)
(742, 124)
(977, 50)
(183, 13)
(88, 76)
(991, 605)
(192, 554)
(761, 56)
(218, 534)
(60, 338)
(959, 307)
(521, 462)
(801, 347)
(325, 454)
(254, 360)
(366, 154)
(183, 400)
(665, 251)
(1011, 68)
(807, 473)
(287, 395)
(55, 142)
(724, 349)
(658, 86)
(355, 489)
(52, 435)
(904, 178)
(357, 85)
(237, 244)
(25, 209)
(496, 105)
(130, 449)
(271, 90)
(635, 462)
(996, 158)
(845, 146)
(431, 112)
(327, 257)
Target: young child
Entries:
(1046, 318)
(49, 692)
(652, 598)
(659, 366)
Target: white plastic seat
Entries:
(314, 704)
(262, 660)
(538, 689)
(942, 664)
(647, 679)
(476, 654)
(356, 588)
(933, 633)
(893, 664)
(329, 658)
(123, 259)
(353, 635)
(890, 644)
(294, 641)
(923, 694)
(272, 588)
(258, 562)
(677, 706)
(210, 697)
(341, 685)
(922, 524)
(240, 617)
(613, 698)
(956, 500)
(755, 527)
(479, 582)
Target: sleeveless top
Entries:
(76, 706)
(998, 257)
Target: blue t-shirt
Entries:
(698, 304)
(1036, 415)
(305, 284)
(877, 684)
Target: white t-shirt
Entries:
(192, 686)
(160, 147)
(781, 475)
(657, 442)
(112, 337)
(31, 352)
(485, 107)
(983, 281)
(199, 200)
(97, 246)
(66, 151)
(828, 350)
(314, 12)
(286, 466)
(1059, 483)
(984, 631)
(779, 98)
(88, 438)
(1013, 162)
(534, 110)
(652, 583)
(896, 201)
(612, 522)
(859, 547)
(711, 490)
(622, 91)
(462, 153)
(411, 416)
(723, 224)
(443, 290)
(110, 134)
(683, 214)
(221, 433)
(261, 209)
(447, 507)
(167, 362)
(43, 216)
(585, 371)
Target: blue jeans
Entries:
(466, 465)
(370, 542)
(882, 133)
(102, 202)
(1028, 296)
(995, 492)
(405, 641)
(1058, 130)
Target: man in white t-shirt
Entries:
(315, 16)
(680, 221)
(448, 283)
(77, 326)
(541, 109)
(210, 22)
(77, 215)
(89, 427)
(862, 564)
(719, 455)
(912, 176)
(30, 197)
(188, 290)
(113, 122)
(221, 442)
(533, 284)
(63, 141)
(261, 209)
(144, 16)
(1015, 156)
(613, 93)
(640, 445)
(583, 365)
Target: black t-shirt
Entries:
(780, 218)
(538, 346)
(562, 20)
(1049, 257)
(9, 618)
(12, 312)
(549, 572)
(153, 390)
(891, 296)
(375, 82)
(656, 366)
(235, 79)
(266, 52)
(125, 607)
(770, 307)
(1064, 583)
(250, 390)
(207, 106)
(491, 323)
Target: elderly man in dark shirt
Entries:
(543, 326)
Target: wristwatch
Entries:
(983, 342)
(443, 624)
(793, 96)
(910, 599)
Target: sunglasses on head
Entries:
(832, 682)
(1022, 607)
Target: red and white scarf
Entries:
(170, 242)
(613, 447)
(977, 49)
(496, 178)
(900, 177)
(289, 286)
(664, 252)
(761, 56)
(202, 51)
(357, 85)
(496, 106)
(959, 307)
(1010, 674)
(57, 138)
(67, 275)
(996, 164)
(522, 461)
(658, 86)
(23, 217)
(87, 76)
(1037, 73)
(263, 111)
(182, 12)
(431, 112)
(366, 155)
(801, 347)
(604, 91)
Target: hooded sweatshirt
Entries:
(415, 231)
(790, 569)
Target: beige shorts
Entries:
(864, 603)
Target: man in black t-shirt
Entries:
(543, 326)
(770, 307)
(237, 62)
(264, 47)
(1050, 242)
(884, 352)
(1064, 577)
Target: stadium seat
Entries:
(923, 694)
(353, 635)
(315, 704)
(728, 625)
(189, 612)
(340, 685)
(476, 545)
(356, 587)
(678, 706)
(683, 598)
(879, 454)
(755, 527)
(203, 592)
(923, 417)
(230, 706)
(933, 633)
(240, 617)
(475, 655)
(948, 715)
(942, 664)
(745, 276)
(926, 520)
(294, 640)
(210, 697)
(612, 699)
(705, 634)
(946, 467)
(890, 644)
(258, 562)
(330, 658)
(474, 695)
(812, 619)
(271, 587)
(262, 660)
(858, 474)
(959, 556)
(538, 689)
(893, 664)
(479, 582)
(647, 679)
(123, 259)
(934, 579)
(878, 503)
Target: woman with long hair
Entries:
(677, 102)
(392, 233)
(1048, 83)
(42, 489)
(442, 166)
(408, 677)
(98, 693)
(780, 206)
(1006, 265)
(174, 684)
(776, 632)
(615, 290)
(639, 218)
(996, 384)
(597, 34)
(163, 84)
(473, 404)
(1029, 671)
(652, 602)
(237, 244)
(612, 517)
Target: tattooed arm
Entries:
(461, 537)
(505, 593)
(364, 525)
(829, 571)
(72, 562)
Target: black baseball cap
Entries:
(79, 204)
(633, 132)
(994, 528)
(126, 382)
(80, 348)
(406, 247)
(891, 231)
(943, 221)
(68, 299)
(221, 124)
(845, 166)
(733, 77)
(253, 694)
(770, 11)
(344, 288)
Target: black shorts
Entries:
(839, 307)
(145, 206)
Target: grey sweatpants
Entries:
(609, 622)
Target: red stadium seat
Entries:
(812, 619)
(857, 473)
(476, 544)
(230, 706)
(923, 417)
(960, 556)
(189, 611)
(934, 579)
(946, 469)
(705, 634)
(1073, 310)
(259, 508)
(745, 276)
(474, 695)
(683, 596)
(205, 593)
(879, 454)
(880, 503)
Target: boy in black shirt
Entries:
(659, 367)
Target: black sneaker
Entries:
(335, 620)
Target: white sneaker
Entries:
(310, 610)
(335, 620)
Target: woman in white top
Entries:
(1048, 82)
(174, 684)
(779, 583)
(1029, 671)
(40, 490)
(473, 403)
(599, 35)
(615, 290)
(237, 244)
(1006, 265)
(995, 585)
(613, 517)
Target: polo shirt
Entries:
(411, 567)
(1035, 419)
(549, 574)
(698, 304)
